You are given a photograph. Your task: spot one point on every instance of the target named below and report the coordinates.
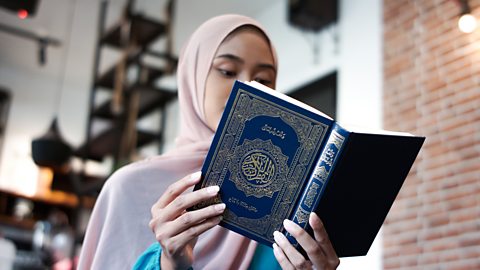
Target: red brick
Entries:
(431, 87)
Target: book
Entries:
(277, 158)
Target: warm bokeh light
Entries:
(24, 176)
(45, 178)
(467, 23)
(22, 14)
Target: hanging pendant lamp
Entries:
(51, 150)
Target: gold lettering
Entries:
(242, 204)
(274, 131)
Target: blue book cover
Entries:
(263, 151)
(273, 158)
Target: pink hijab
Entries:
(118, 229)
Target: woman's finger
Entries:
(311, 247)
(177, 188)
(295, 257)
(321, 237)
(176, 243)
(185, 201)
(281, 258)
(165, 218)
(190, 219)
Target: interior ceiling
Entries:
(67, 74)
(53, 19)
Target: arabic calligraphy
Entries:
(328, 156)
(242, 204)
(259, 168)
(274, 131)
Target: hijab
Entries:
(118, 230)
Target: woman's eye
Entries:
(227, 73)
(263, 81)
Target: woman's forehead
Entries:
(247, 28)
(246, 45)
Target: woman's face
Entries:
(244, 55)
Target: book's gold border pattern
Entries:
(321, 173)
(310, 133)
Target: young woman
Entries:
(223, 49)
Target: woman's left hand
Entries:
(319, 249)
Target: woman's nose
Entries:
(244, 76)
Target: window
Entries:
(320, 94)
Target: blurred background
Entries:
(87, 86)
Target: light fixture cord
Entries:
(63, 65)
(314, 42)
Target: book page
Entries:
(366, 130)
(289, 99)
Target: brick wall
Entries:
(432, 87)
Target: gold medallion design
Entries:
(259, 168)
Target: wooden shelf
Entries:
(143, 31)
(24, 224)
(150, 99)
(107, 79)
(132, 36)
(53, 198)
(20, 230)
(108, 142)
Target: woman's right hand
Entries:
(176, 229)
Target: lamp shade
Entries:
(50, 150)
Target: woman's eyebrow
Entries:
(267, 66)
(231, 57)
(240, 60)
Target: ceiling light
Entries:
(467, 23)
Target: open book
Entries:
(277, 158)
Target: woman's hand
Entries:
(319, 249)
(176, 229)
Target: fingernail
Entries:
(288, 224)
(213, 189)
(314, 218)
(220, 207)
(194, 177)
(276, 235)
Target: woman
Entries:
(223, 49)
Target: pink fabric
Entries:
(118, 229)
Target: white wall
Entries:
(298, 64)
(360, 86)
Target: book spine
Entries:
(318, 180)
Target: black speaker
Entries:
(312, 15)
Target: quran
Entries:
(276, 158)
